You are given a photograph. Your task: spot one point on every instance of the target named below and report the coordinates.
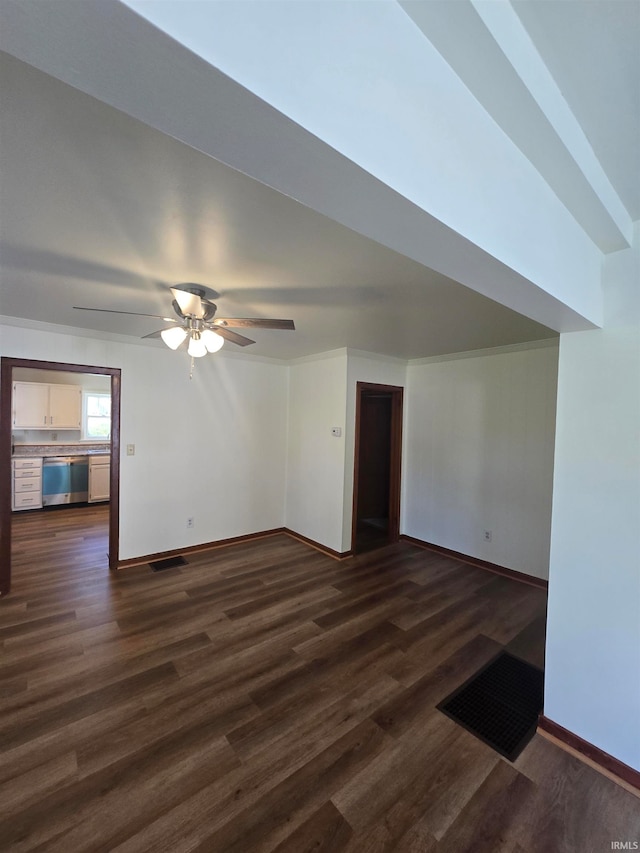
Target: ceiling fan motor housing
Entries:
(209, 308)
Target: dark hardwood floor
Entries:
(267, 698)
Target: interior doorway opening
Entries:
(377, 467)
(10, 370)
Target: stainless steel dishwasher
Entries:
(65, 480)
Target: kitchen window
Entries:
(97, 416)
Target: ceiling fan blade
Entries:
(190, 303)
(130, 313)
(256, 322)
(152, 335)
(232, 337)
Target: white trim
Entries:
(319, 356)
(480, 353)
(39, 326)
(348, 351)
(94, 334)
(375, 356)
(226, 353)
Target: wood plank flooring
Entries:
(267, 698)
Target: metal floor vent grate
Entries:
(500, 704)
(168, 563)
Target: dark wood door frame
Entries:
(6, 387)
(396, 393)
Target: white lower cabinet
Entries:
(26, 483)
(99, 478)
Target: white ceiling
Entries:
(592, 49)
(100, 210)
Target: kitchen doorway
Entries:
(377, 466)
(7, 367)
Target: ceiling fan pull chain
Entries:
(193, 361)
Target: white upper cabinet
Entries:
(65, 406)
(40, 406)
(30, 405)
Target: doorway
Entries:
(377, 467)
(7, 366)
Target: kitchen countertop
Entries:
(22, 450)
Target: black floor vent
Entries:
(169, 563)
(499, 704)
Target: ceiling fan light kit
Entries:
(201, 340)
(173, 337)
(212, 341)
(196, 348)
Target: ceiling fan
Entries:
(197, 322)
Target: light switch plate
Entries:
(336, 431)
(131, 450)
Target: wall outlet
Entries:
(487, 536)
(54, 436)
(190, 521)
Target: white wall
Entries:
(315, 458)
(362, 367)
(477, 450)
(212, 448)
(592, 684)
(479, 445)
(247, 446)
